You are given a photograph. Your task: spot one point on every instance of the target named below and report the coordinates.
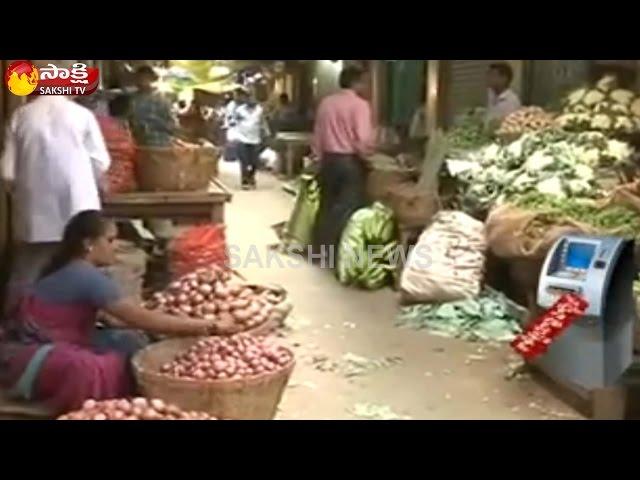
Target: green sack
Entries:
(299, 229)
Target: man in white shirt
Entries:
(502, 100)
(54, 157)
(250, 118)
(230, 125)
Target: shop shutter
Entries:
(550, 80)
(406, 80)
(466, 86)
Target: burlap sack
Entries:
(412, 206)
(505, 229)
(448, 261)
(381, 180)
(627, 195)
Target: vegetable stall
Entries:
(542, 175)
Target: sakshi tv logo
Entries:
(23, 78)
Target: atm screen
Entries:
(579, 255)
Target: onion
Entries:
(205, 289)
(182, 298)
(140, 402)
(218, 358)
(197, 298)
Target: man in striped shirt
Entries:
(343, 136)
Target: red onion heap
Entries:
(237, 357)
(136, 409)
(210, 294)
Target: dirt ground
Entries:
(430, 377)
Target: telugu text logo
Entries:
(23, 78)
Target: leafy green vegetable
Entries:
(613, 219)
(490, 317)
(469, 133)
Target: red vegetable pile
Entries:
(540, 334)
(210, 294)
(196, 247)
(136, 409)
(237, 357)
(121, 175)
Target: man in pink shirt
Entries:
(343, 136)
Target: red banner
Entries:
(541, 333)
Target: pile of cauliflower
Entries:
(604, 108)
(551, 162)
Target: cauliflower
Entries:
(618, 150)
(635, 107)
(620, 109)
(538, 161)
(624, 124)
(622, 97)
(521, 182)
(491, 152)
(575, 97)
(584, 172)
(551, 186)
(515, 149)
(593, 97)
(606, 83)
(588, 156)
(579, 187)
(583, 119)
(601, 122)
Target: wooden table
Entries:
(292, 143)
(190, 206)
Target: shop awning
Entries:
(216, 88)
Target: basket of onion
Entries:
(241, 377)
(236, 306)
(132, 409)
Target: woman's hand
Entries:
(135, 316)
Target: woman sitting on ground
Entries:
(51, 350)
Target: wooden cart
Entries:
(180, 206)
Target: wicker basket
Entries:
(176, 169)
(254, 398)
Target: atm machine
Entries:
(590, 357)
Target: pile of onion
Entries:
(236, 357)
(135, 409)
(210, 294)
(524, 120)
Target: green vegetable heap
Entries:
(490, 317)
(469, 133)
(612, 219)
(369, 230)
(551, 161)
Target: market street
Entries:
(434, 377)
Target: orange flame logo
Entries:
(22, 78)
